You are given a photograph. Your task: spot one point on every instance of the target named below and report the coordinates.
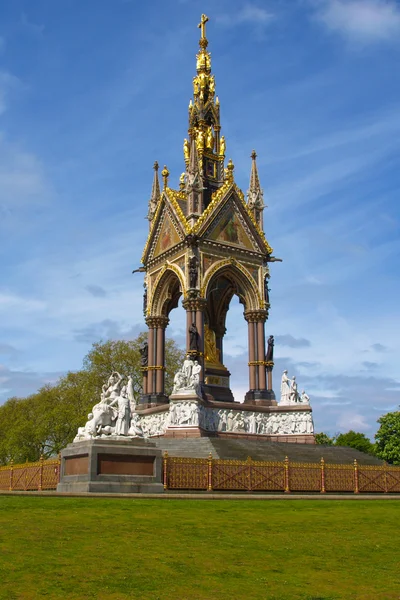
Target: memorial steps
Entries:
(236, 449)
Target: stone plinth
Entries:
(111, 466)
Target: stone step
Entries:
(236, 449)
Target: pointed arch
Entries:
(168, 287)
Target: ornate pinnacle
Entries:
(229, 170)
(155, 193)
(255, 194)
(165, 175)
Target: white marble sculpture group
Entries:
(289, 392)
(115, 415)
(112, 416)
(187, 379)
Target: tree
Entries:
(124, 357)
(45, 422)
(323, 438)
(358, 441)
(388, 438)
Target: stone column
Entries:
(161, 323)
(200, 331)
(252, 354)
(150, 372)
(261, 355)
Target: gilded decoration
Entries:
(250, 288)
(167, 237)
(161, 288)
(229, 230)
(211, 352)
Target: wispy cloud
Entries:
(361, 20)
(96, 290)
(250, 13)
(292, 342)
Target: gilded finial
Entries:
(165, 175)
(182, 181)
(202, 27)
(217, 101)
(230, 168)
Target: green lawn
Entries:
(117, 549)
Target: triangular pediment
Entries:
(166, 231)
(230, 224)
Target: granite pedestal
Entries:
(111, 466)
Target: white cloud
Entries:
(361, 20)
(248, 14)
(352, 420)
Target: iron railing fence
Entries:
(210, 474)
(261, 476)
(36, 476)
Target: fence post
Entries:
(323, 490)
(385, 483)
(286, 465)
(356, 486)
(249, 482)
(11, 474)
(165, 460)
(209, 473)
(40, 486)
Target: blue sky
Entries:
(91, 93)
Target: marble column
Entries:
(150, 372)
(261, 355)
(252, 354)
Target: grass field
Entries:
(117, 549)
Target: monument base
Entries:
(260, 398)
(115, 466)
(150, 400)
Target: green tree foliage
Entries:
(323, 438)
(358, 441)
(45, 422)
(388, 438)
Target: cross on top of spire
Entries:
(202, 26)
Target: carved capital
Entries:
(194, 304)
(256, 316)
(160, 321)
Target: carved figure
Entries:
(195, 377)
(222, 145)
(193, 268)
(211, 85)
(144, 353)
(186, 150)
(196, 86)
(210, 139)
(113, 387)
(285, 388)
(187, 368)
(124, 413)
(200, 139)
(145, 300)
(293, 394)
(135, 429)
(270, 351)
(194, 337)
(304, 397)
(266, 290)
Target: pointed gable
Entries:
(228, 221)
(168, 229)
